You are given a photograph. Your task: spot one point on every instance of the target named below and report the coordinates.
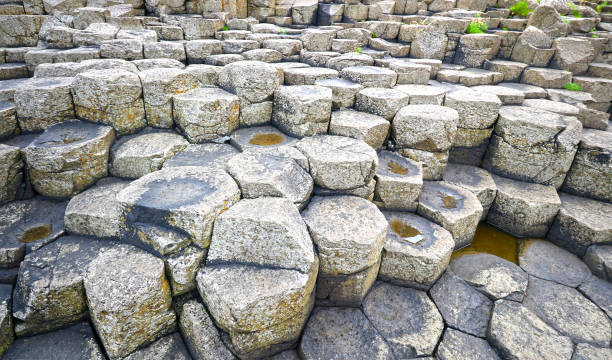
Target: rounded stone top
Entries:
(252, 80)
(260, 137)
(207, 94)
(349, 232)
(596, 139)
(472, 96)
(45, 83)
(114, 76)
(414, 234)
(304, 93)
(368, 70)
(394, 165)
(338, 162)
(530, 116)
(181, 188)
(428, 112)
(455, 202)
(382, 93)
(552, 106)
(71, 134)
(420, 90)
(339, 83)
(164, 75)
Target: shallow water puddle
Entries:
(448, 201)
(266, 139)
(407, 232)
(397, 168)
(36, 233)
(491, 241)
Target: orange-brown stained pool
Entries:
(266, 139)
(405, 231)
(491, 241)
(36, 233)
(449, 202)
(397, 168)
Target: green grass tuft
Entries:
(224, 28)
(358, 50)
(476, 27)
(521, 9)
(572, 86)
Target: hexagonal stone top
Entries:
(260, 137)
(188, 198)
(339, 163)
(348, 231)
(69, 135)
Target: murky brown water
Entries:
(397, 168)
(266, 139)
(36, 233)
(492, 241)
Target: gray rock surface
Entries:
(170, 346)
(454, 208)
(302, 110)
(547, 261)
(493, 276)
(516, 332)
(129, 307)
(406, 318)
(599, 259)
(359, 337)
(459, 345)
(461, 306)
(95, 212)
(398, 182)
(416, 251)
(568, 311)
(200, 333)
(203, 155)
(476, 180)
(339, 163)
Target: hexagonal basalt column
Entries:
(205, 114)
(68, 157)
(166, 210)
(49, 291)
(456, 209)
(425, 133)
(591, 172)
(137, 155)
(130, 306)
(339, 163)
(370, 76)
(523, 209)
(264, 174)
(158, 87)
(380, 101)
(474, 179)
(42, 102)
(533, 145)
(302, 110)
(416, 251)
(477, 114)
(112, 97)
(252, 81)
(258, 282)
(349, 233)
(11, 172)
(398, 182)
(370, 128)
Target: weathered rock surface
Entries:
(458, 345)
(398, 182)
(68, 157)
(132, 306)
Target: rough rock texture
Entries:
(454, 208)
(302, 110)
(349, 233)
(398, 182)
(68, 157)
(458, 345)
(200, 333)
(416, 251)
(139, 310)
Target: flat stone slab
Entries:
(568, 311)
(200, 334)
(183, 200)
(380, 101)
(170, 346)
(599, 292)
(547, 261)
(416, 251)
(517, 332)
(476, 180)
(454, 208)
(302, 110)
(262, 174)
(260, 137)
(461, 306)
(137, 155)
(339, 163)
(425, 127)
(459, 345)
(204, 155)
(308, 75)
(415, 326)
(77, 341)
(493, 276)
(359, 337)
(599, 259)
(28, 225)
(422, 94)
(370, 76)
(96, 212)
